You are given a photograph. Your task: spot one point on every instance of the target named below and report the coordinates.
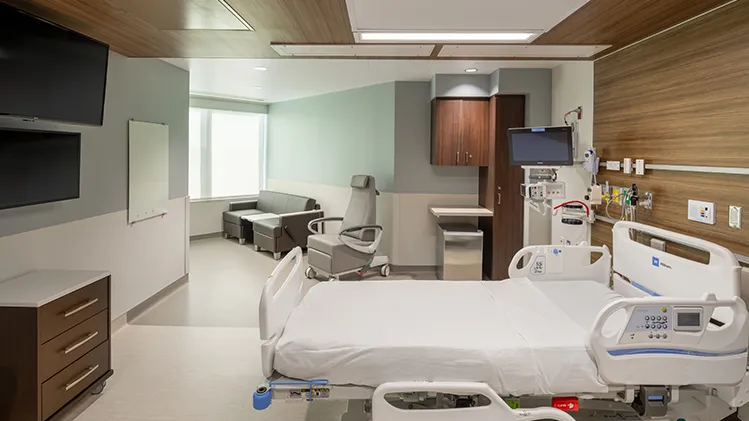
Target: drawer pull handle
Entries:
(83, 377)
(81, 307)
(71, 348)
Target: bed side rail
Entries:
(282, 293)
(670, 341)
(669, 275)
(558, 263)
(497, 410)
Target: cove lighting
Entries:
(446, 36)
(236, 14)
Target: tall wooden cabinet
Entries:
(460, 135)
(499, 188)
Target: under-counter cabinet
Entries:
(55, 336)
(460, 132)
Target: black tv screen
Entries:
(541, 146)
(48, 72)
(38, 167)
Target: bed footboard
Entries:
(670, 341)
(282, 293)
(497, 410)
(561, 263)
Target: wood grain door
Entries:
(474, 120)
(507, 222)
(446, 132)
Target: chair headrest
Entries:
(360, 181)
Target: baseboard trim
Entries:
(156, 298)
(119, 323)
(204, 236)
(410, 269)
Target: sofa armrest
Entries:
(295, 224)
(243, 205)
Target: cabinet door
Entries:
(475, 132)
(446, 132)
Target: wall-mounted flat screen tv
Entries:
(49, 72)
(38, 167)
(541, 146)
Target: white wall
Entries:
(206, 216)
(572, 86)
(144, 257)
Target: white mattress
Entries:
(521, 338)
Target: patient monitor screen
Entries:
(541, 146)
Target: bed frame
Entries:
(695, 376)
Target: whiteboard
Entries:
(148, 170)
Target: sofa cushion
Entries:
(235, 217)
(328, 253)
(270, 227)
(280, 203)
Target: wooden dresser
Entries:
(54, 341)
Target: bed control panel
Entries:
(649, 323)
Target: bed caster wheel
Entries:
(225, 235)
(310, 273)
(99, 388)
(385, 270)
(256, 247)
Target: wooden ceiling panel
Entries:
(151, 28)
(622, 22)
(183, 14)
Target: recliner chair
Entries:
(353, 248)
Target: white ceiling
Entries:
(459, 15)
(290, 79)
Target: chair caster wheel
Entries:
(99, 388)
(385, 270)
(310, 273)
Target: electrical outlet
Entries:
(734, 217)
(613, 165)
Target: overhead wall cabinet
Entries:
(460, 132)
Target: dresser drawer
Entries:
(71, 345)
(62, 314)
(68, 383)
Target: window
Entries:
(226, 153)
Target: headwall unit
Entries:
(679, 101)
(49, 72)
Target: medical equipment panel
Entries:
(541, 146)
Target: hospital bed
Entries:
(668, 339)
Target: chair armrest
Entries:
(243, 205)
(317, 221)
(371, 248)
(295, 225)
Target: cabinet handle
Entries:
(499, 198)
(81, 307)
(466, 157)
(87, 373)
(71, 348)
(457, 158)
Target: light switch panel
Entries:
(703, 212)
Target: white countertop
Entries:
(463, 210)
(38, 288)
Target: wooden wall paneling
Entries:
(671, 192)
(621, 23)
(681, 98)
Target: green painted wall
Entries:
(328, 138)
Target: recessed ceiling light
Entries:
(261, 68)
(472, 70)
(446, 36)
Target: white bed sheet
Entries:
(509, 334)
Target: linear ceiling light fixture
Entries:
(521, 36)
(236, 14)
